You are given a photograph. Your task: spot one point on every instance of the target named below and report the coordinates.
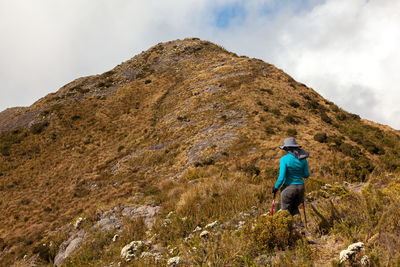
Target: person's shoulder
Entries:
(303, 160)
(287, 156)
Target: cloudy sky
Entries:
(346, 50)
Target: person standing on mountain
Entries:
(293, 168)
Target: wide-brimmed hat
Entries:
(289, 142)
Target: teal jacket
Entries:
(292, 171)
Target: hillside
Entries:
(182, 135)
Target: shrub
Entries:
(312, 104)
(390, 162)
(291, 132)
(335, 140)
(334, 108)
(75, 117)
(44, 113)
(2, 244)
(325, 118)
(204, 162)
(349, 150)
(270, 232)
(184, 118)
(208, 161)
(276, 112)
(44, 252)
(360, 136)
(294, 104)
(47, 209)
(269, 91)
(101, 84)
(372, 148)
(306, 97)
(25, 201)
(355, 116)
(321, 137)
(250, 169)
(37, 128)
(5, 150)
(53, 136)
(292, 119)
(359, 169)
(224, 153)
(269, 130)
(341, 116)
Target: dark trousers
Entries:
(291, 198)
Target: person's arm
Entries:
(282, 173)
(306, 170)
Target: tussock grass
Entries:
(106, 138)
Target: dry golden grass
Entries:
(144, 127)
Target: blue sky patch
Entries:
(225, 15)
(296, 6)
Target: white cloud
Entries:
(346, 50)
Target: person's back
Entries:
(293, 168)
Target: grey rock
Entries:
(205, 234)
(78, 222)
(147, 212)
(198, 228)
(211, 225)
(69, 246)
(155, 255)
(175, 261)
(109, 220)
(349, 253)
(115, 238)
(132, 250)
(365, 261)
(112, 219)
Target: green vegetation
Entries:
(321, 137)
(276, 112)
(269, 130)
(294, 104)
(325, 117)
(271, 232)
(292, 132)
(292, 119)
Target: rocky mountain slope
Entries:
(182, 135)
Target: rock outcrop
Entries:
(69, 246)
